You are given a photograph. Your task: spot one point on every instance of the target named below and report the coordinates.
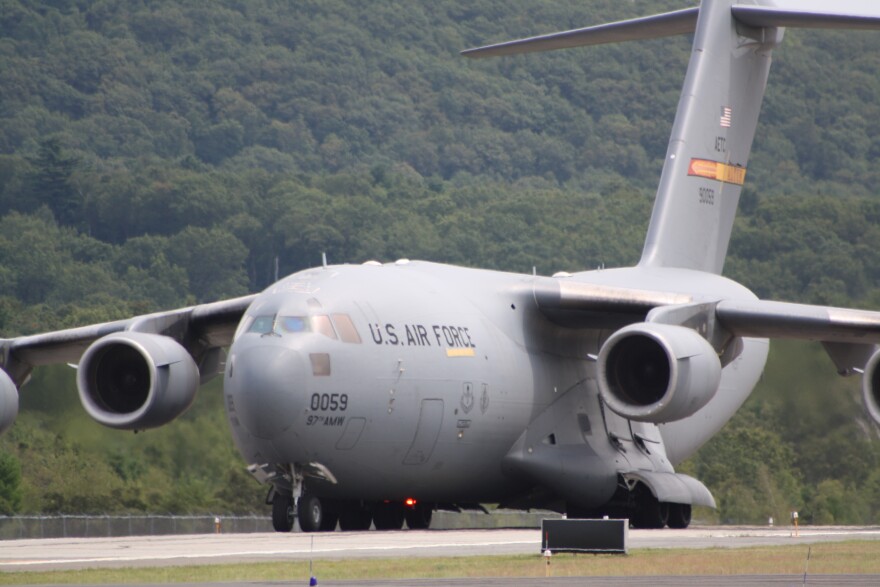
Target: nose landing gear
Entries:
(282, 512)
(314, 515)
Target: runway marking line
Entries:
(756, 533)
(260, 553)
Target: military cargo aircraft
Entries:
(375, 394)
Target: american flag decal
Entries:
(726, 117)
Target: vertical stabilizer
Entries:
(708, 153)
(706, 162)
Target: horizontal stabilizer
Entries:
(651, 27)
(805, 14)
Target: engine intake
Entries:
(135, 381)
(657, 372)
(871, 387)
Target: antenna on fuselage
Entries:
(324, 260)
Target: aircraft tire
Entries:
(310, 513)
(329, 521)
(389, 515)
(354, 517)
(651, 515)
(679, 516)
(282, 512)
(418, 517)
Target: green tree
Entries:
(751, 472)
(214, 261)
(51, 182)
(10, 484)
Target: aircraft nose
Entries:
(267, 388)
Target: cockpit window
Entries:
(347, 331)
(321, 324)
(262, 325)
(292, 324)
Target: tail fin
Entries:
(705, 166)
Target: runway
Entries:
(670, 581)
(79, 553)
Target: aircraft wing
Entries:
(197, 328)
(849, 336)
(799, 321)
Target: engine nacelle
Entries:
(134, 381)
(657, 372)
(871, 387)
(8, 401)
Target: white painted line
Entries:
(123, 559)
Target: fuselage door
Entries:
(430, 421)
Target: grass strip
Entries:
(857, 557)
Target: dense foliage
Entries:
(158, 153)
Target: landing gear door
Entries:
(640, 442)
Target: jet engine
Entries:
(8, 401)
(871, 387)
(134, 380)
(657, 372)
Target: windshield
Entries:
(319, 323)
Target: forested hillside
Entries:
(157, 153)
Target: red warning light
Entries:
(410, 502)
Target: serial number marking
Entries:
(707, 196)
(720, 144)
(334, 402)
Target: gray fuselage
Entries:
(415, 379)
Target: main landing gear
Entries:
(282, 512)
(653, 514)
(314, 516)
(323, 515)
(641, 507)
